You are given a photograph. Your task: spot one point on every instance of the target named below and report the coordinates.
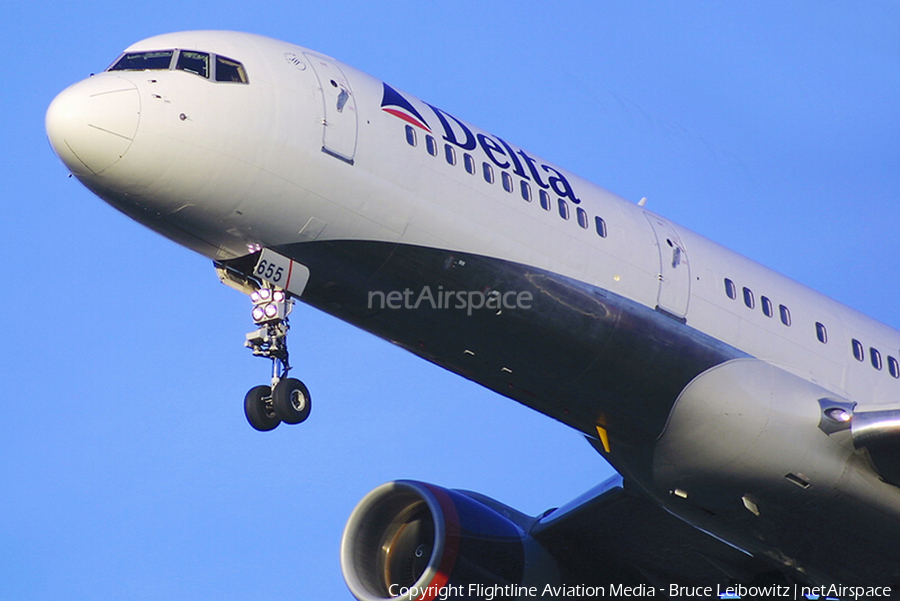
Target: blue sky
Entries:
(128, 470)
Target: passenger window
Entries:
(858, 350)
(488, 172)
(526, 190)
(159, 60)
(600, 226)
(748, 298)
(410, 135)
(893, 367)
(821, 333)
(768, 309)
(785, 315)
(563, 208)
(469, 162)
(431, 145)
(450, 154)
(875, 357)
(230, 70)
(582, 217)
(507, 181)
(545, 200)
(193, 62)
(730, 289)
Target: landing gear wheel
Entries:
(258, 409)
(291, 401)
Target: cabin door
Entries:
(674, 269)
(340, 125)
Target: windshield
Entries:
(206, 65)
(143, 61)
(193, 62)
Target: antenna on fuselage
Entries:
(642, 201)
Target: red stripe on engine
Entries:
(451, 544)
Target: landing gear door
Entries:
(674, 270)
(281, 272)
(340, 123)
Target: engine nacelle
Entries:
(748, 425)
(413, 541)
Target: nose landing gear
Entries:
(272, 280)
(287, 399)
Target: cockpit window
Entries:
(193, 62)
(144, 61)
(204, 64)
(230, 70)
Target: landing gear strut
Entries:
(287, 399)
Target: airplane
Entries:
(753, 423)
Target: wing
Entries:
(615, 534)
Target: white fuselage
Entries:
(310, 151)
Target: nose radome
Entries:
(92, 123)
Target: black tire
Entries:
(259, 412)
(291, 401)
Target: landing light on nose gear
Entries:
(287, 399)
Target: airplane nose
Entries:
(92, 123)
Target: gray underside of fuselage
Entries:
(576, 352)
